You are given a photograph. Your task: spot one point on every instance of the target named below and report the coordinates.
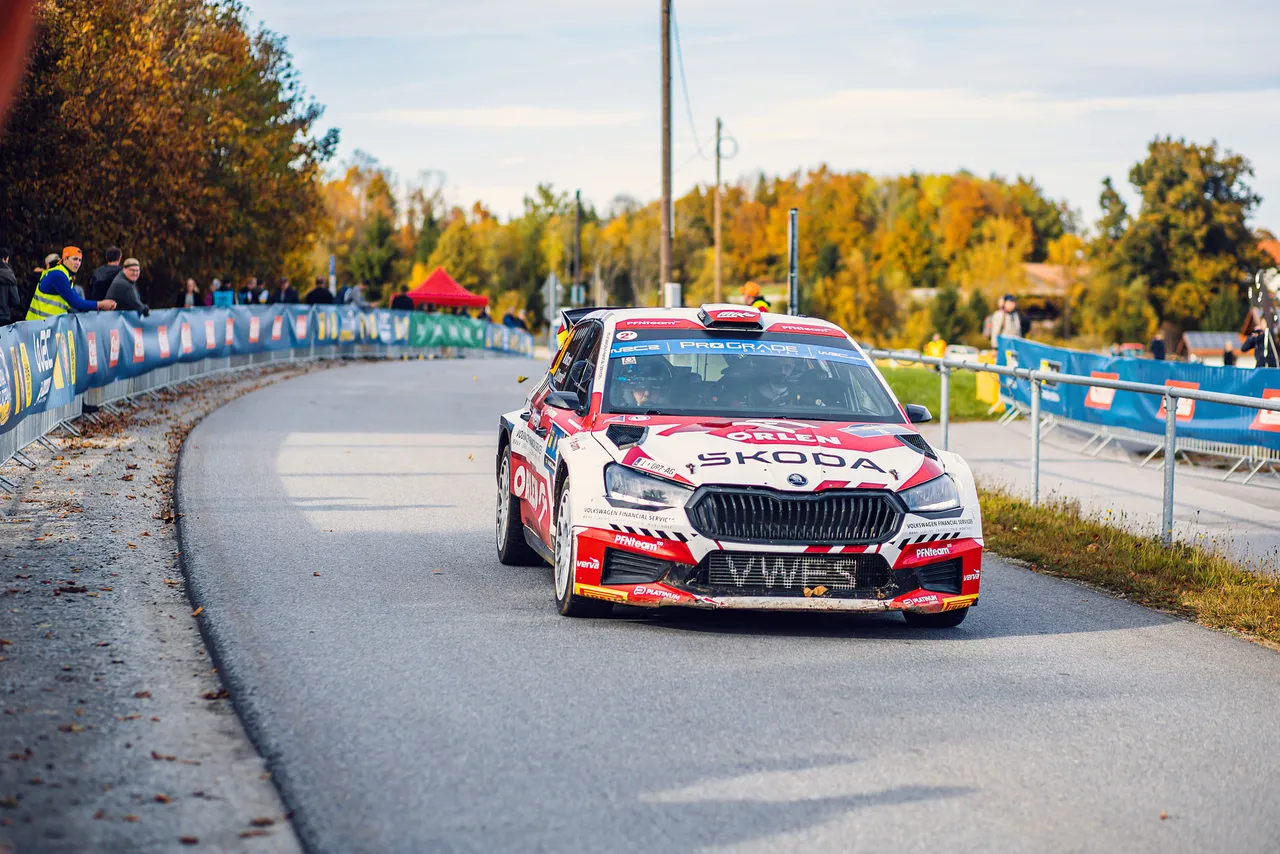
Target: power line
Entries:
(684, 86)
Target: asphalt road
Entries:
(405, 709)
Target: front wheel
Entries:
(945, 620)
(566, 553)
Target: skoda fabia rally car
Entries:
(723, 457)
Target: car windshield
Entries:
(742, 374)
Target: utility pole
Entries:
(577, 244)
(719, 294)
(793, 263)
(664, 245)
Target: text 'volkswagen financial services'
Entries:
(727, 458)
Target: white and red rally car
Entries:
(723, 457)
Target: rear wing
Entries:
(569, 317)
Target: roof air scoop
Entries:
(729, 316)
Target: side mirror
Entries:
(564, 400)
(918, 414)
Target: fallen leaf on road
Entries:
(142, 695)
(198, 611)
(131, 818)
(163, 799)
(163, 757)
(521, 379)
(262, 821)
(70, 728)
(189, 840)
(247, 834)
(99, 814)
(127, 477)
(1163, 816)
(316, 574)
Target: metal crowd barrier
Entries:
(1171, 444)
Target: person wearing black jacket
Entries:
(1264, 349)
(320, 294)
(104, 275)
(10, 293)
(124, 289)
(402, 301)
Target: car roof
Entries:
(767, 318)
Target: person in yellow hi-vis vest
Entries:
(754, 298)
(55, 295)
(936, 348)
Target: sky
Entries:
(492, 97)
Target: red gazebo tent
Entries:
(440, 289)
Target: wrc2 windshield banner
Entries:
(1196, 419)
(46, 364)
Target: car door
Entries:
(549, 424)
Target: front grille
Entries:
(629, 568)
(859, 576)
(765, 516)
(941, 577)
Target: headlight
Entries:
(938, 494)
(630, 488)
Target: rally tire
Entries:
(945, 620)
(565, 550)
(513, 550)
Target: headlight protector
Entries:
(627, 487)
(932, 496)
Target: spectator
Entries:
(214, 287)
(320, 293)
(355, 296)
(224, 296)
(32, 280)
(10, 293)
(341, 296)
(284, 294)
(190, 294)
(1006, 321)
(1262, 345)
(484, 315)
(1157, 346)
(105, 275)
(124, 288)
(402, 300)
(249, 294)
(54, 294)
(1228, 357)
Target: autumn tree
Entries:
(168, 127)
(1189, 240)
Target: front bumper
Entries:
(652, 572)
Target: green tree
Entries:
(1189, 238)
(1226, 311)
(949, 319)
(458, 253)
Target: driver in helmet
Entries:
(641, 381)
(779, 378)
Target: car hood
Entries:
(796, 456)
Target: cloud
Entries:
(509, 117)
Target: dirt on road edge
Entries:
(116, 732)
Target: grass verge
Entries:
(1183, 579)
(921, 385)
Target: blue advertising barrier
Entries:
(45, 365)
(1196, 419)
